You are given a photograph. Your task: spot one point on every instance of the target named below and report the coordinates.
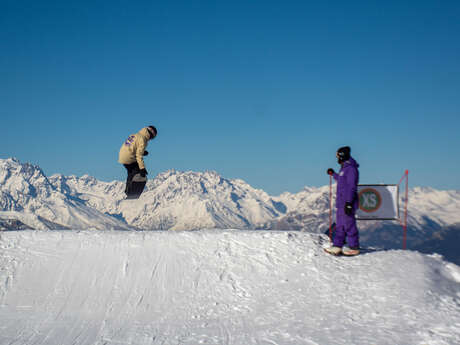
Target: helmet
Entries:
(343, 154)
(152, 131)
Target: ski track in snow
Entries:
(218, 287)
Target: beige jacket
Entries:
(133, 148)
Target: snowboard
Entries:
(136, 187)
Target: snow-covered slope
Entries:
(440, 206)
(12, 220)
(219, 287)
(26, 192)
(445, 241)
(306, 210)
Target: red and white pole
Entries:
(405, 209)
(406, 201)
(330, 207)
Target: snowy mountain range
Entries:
(176, 200)
(28, 196)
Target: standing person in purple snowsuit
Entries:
(346, 203)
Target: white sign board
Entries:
(378, 202)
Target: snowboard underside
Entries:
(136, 187)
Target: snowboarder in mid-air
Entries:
(346, 203)
(131, 155)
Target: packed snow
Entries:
(219, 287)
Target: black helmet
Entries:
(152, 131)
(343, 154)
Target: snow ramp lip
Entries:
(216, 287)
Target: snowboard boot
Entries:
(351, 251)
(333, 250)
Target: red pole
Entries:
(405, 209)
(330, 207)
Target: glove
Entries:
(143, 172)
(146, 153)
(348, 208)
(330, 171)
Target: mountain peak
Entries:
(26, 189)
(193, 200)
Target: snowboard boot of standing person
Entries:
(333, 250)
(350, 251)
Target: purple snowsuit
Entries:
(347, 187)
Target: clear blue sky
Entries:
(265, 91)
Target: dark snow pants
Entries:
(132, 169)
(346, 228)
